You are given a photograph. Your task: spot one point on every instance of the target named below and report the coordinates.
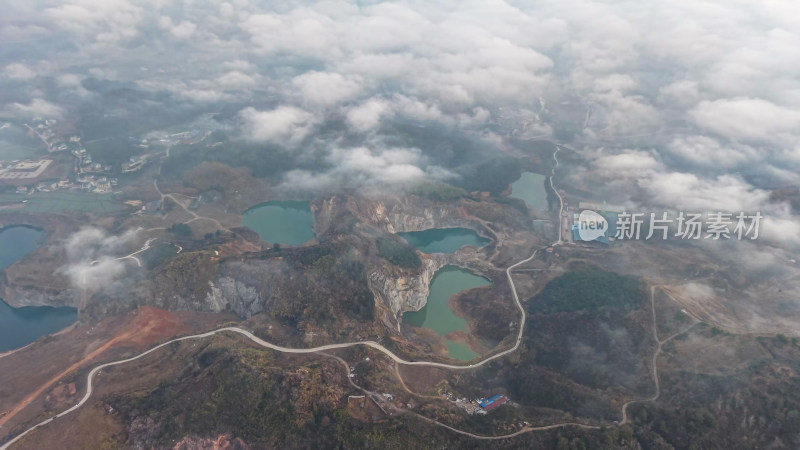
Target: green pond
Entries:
(459, 351)
(530, 188)
(443, 240)
(21, 326)
(438, 316)
(17, 241)
(288, 222)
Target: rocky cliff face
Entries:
(324, 213)
(18, 296)
(399, 214)
(228, 293)
(222, 294)
(199, 282)
(36, 279)
(403, 290)
(406, 290)
(184, 282)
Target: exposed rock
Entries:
(142, 433)
(228, 293)
(223, 442)
(324, 213)
(399, 214)
(403, 290)
(18, 295)
(35, 280)
(407, 290)
(184, 282)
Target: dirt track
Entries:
(143, 326)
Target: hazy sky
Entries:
(693, 104)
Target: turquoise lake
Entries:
(443, 240)
(284, 222)
(437, 315)
(21, 326)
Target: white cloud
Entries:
(283, 125)
(368, 115)
(630, 163)
(18, 71)
(615, 82)
(68, 80)
(326, 88)
(85, 275)
(302, 31)
(391, 166)
(91, 242)
(747, 118)
(686, 191)
(202, 95)
(709, 152)
(107, 21)
(235, 80)
(417, 109)
(239, 65)
(182, 30)
(37, 107)
(363, 166)
(683, 93)
(90, 252)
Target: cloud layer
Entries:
(91, 263)
(679, 102)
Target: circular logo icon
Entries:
(591, 225)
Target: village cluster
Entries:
(29, 175)
(26, 174)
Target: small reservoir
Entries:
(17, 241)
(438, 316)
(21, 326)
(281, 222)
(530, 188)
(443, 240)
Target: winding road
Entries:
(133, 256)
(654, 362)
(194, 215)
(90, 377)
(387, 352)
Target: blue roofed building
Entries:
(491, 403)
